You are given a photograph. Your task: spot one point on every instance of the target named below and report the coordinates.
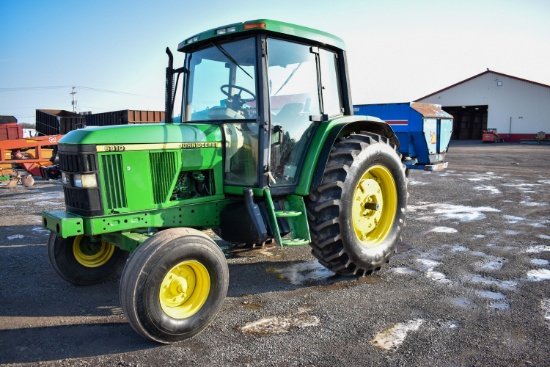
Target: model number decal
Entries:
(134, 147)
(114, 148)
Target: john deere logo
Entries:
(201, 145)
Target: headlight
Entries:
(64, 178)
(85, 180)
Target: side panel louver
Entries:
(163, 172)
(115, 191)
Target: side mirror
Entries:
(277, 136)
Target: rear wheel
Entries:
(81, 260)
(357, 214)
(174, 284)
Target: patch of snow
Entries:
(504, 284)
(393, 337)
(277, 325)
(428, 265)
(537, 249)
(303, 273)
(530, 203)
(491, 189)
(458, 248)
(461, 213)
(491, 295)
(443, 230)
(545, 305)
(512, 219)
(538, 275)
(404, 271)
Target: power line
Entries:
(101, 90)
(113, 91)
(19, 89)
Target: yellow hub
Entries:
(92, 254)
(184, 289)
(374, 206)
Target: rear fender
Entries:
(325, 138)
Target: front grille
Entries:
(85, 202)
(78, 162)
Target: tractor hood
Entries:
(144, 134)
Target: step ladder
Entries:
(295, 213)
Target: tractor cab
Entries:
(266, 92)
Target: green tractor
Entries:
(266, 149)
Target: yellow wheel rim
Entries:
(92, 254)
(184, 289)
(374, 206)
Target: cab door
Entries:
(293, 98)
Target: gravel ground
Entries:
(470, 285)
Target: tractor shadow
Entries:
(43, 318)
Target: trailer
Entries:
(423, 129)
(9, 129)
(124, 117)
(55, 122)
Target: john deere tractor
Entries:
(266, 149)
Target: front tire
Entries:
(174, 284)
(357, 214)
(81, 261)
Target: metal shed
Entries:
(517, 108)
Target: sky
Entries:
(113, 51)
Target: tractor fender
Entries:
(327, 134)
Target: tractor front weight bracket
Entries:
(127, 241)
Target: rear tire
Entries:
(357, 214)
(80, 261)
(174, 284)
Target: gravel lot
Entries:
(470, 285)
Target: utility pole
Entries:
(75, 107)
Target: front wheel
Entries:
(81, 260)
(357, 214)
(174, 284)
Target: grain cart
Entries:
(267, 148)
(423, 129)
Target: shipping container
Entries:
(53, 122)
(124, 117)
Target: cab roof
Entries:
(267, 26)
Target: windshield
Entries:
(222, 83)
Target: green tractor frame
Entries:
(266, 148)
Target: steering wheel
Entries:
(241, 90)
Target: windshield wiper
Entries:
(226, 54)
(287, 79)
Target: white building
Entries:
(516, 107)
